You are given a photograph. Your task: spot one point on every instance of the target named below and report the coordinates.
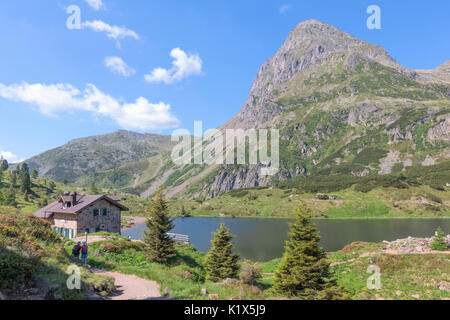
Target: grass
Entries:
(413, 202)
(403, 277)
(184, 274)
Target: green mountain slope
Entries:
(343, 107)
(121, 160)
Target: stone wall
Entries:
(64, 220)
(87, 220)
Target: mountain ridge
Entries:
(342, 105)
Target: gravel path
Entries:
(130, 287)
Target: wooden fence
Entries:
(179, 237)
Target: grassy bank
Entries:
(412, 202)
(403, 276)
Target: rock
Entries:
(213, 296)
(445, 286)
(203, 292)
(416, 296)
(167, 291)
(228, 280)
(398, 292)
(2, 297)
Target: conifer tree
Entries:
(92, 188)
(34, 174)
(304, 269)
(159, 246)
(3, 164)
(438, 242)
(13, 177)
(25, 181)
(9, 198)
(220, 262)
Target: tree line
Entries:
(18, 177)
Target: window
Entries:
(95, 212)
(105, 212)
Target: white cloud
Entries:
(117, 65)
(95, 4)
(55, 99)
(11, 157)
(113, 32)
(284, 8)
(184, 65)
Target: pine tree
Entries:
(9, 198)
(220, 262)
(13, 177)
(159, 246)
(25, 181)
(438, 242)
(304, 269)
(184, 213)
(3, 164)
(93, 189)
(34, 174)
(64, 181)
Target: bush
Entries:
(120, 246)
(251, 272)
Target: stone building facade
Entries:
(74, 214)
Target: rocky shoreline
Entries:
(412, 245)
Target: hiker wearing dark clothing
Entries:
(84, 253)
(76, 251)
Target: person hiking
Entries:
(84, 253)
(76, 251)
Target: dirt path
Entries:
(130, 287)
(93, 238)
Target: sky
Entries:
(154, 66)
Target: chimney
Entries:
(74, 198)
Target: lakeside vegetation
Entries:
(184, 276)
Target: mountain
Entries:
(121, 160)
(343, 107)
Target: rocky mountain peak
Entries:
(312, 46)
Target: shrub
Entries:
(251, 272)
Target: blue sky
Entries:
(117, 71)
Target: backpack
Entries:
(84, 250)
(76, 250)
